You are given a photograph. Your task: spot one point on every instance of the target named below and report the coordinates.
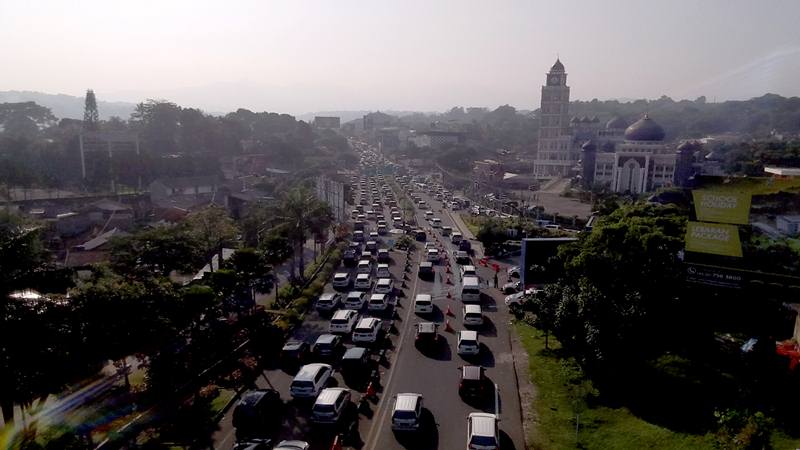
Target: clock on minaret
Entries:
(554, 80)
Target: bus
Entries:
(470, 290)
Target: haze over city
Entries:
(306, 56)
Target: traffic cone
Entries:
(449, 312)
(448, 280)
(337, 443)
(448, 269)
(370, 390)
(447, 326)
(449, 295)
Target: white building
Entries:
(788, 225)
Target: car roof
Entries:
(384, 280)
(367, 322)
(292, 343)
(326, 338)
(328, 295)
(406, 401)
(343, 313)
(426, 264)
(291, 445)
(355, 294)
(252, 397)
(309, 370)
(382, 265)
(483, 424)
(472, 309)
(341, 275)
(471, 372)
(469, 335)
(468, 267)
(377, 296)
(329, 395)
(383, 250)
(363, 262)
(426, 327)
(361, 276)
(424, 297)
(354, 353)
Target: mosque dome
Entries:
(645, 129)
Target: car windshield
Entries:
(486, 441)
(404, 415)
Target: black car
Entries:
(257, 411)
(295, 352)
(427, 335)
(472, 382)
(349, 257)
(425, 269)
(328, 345)
(356, 362)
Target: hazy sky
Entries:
(299, 56)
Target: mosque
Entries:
(625, 157)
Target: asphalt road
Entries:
(434, 375)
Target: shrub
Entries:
(743, 430)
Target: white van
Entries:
(423, 303)
(343, 321)
(473, 315)
(330, 405)
(310, 380)
(367, 330)
(436, 222)
(470, 290)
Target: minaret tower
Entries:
(555, 156)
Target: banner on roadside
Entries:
(713, 238)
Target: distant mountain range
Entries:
(68, 106)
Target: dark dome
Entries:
(617, 123)
(588, 146)
(557, 67)
(645, 129)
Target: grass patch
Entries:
(222, 399)
(561, 390)
(473, 223)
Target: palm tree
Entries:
(303, 214)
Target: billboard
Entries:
(713, 238)
(721, 206)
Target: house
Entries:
(788, 225)
(93, 251)
(184, 194)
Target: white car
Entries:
(384, 286)
(468, 343)
(473, 315)
(433, 255)
(355, 300)
(378, 302)
(520, 297)
(310, 380)
(328, 301)
(341, 280)
(423, 304)
(367, 330)
(482, 431)
(383, 271)
(292, 445)
(343, 321)
(363, 282)
(364, 266)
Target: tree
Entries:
(161, 249)
(91, 117)
(545, 306)
(213, 228)
(302, 213)
(251, 267)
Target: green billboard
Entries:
(714, 238)
(722, 206)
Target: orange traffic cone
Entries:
(448, 269)
(449, 312)
(337, 443)
(447, 326)
(449, 295)
(370, 390)
(448, 280)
